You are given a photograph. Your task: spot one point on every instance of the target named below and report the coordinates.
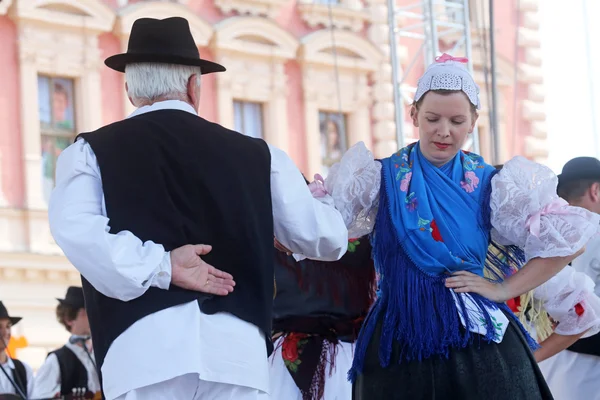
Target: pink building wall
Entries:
(287, 18)
(13, 185)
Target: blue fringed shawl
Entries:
(413, 256)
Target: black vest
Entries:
(174, 178)
(20, 376)
(72, 371)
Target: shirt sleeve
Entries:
(569, 299)
(118, 265)
(354, 184)
(527, 212)
(303, 224)
(30, 380)
(47, 380)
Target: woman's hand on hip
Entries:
(468, 282)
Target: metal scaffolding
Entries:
(427, 21)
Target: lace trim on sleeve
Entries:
(569, 299)
(354, 185)
(526, 212)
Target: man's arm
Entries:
(47, 380)
(30, 380)
(302, 223)
(119, 265)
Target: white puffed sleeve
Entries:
(354, 185)
(527, 212)
(569, 299)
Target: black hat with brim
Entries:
(73, 298)
(4, 315)
(166, 41)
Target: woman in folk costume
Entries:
(318, 310)
(439, 330)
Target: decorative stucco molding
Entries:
(256, 8)
(29, 267)
(124, 3)
(201, 30)
(82, 15)
(348, 14)
(254, 50)
(357, 59)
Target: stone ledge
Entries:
(530, 74)
(529, 37)
(533, 111)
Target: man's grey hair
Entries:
(148, 82)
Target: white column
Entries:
(384, 132)
(128, 107)
(311, 119)
(359, 126)
(276, 113)
(30, 123)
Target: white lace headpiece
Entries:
(448, 73)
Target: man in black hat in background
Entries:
(72, 366)
(171, 221)
(16, 377)
(575, 373)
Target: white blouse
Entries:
(525, 211)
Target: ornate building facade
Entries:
(310, 77)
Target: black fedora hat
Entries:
(74, 297)
(580, 168)
(168, 41)
(4, 314)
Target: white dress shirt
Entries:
(181, 339)
(48, 378)
(6, 387)
(589, 262)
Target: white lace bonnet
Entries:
(448, 73)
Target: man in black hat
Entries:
(575, 373)
(16, 377)
(149, 207)
(72, 366)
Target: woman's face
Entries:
(444, 121)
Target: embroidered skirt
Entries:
(491, 371)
